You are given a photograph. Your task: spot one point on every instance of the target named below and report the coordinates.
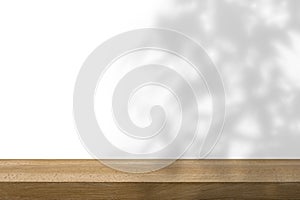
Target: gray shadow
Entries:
(245, 40)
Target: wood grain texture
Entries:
(185, 179)
(182, 171)
(15, 191)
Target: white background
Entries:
(44, 43)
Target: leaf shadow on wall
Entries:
(256, 47)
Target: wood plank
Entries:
(182, 171)
(146, 191)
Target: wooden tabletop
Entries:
(184, 179)
(182, 171)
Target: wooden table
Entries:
(185, 179)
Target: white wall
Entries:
(255, 45)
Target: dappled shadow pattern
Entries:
(255, 45)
